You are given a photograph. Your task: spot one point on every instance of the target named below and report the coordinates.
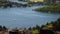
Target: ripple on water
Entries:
(24, 17)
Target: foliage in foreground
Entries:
(53, 26)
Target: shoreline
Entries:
(6, 4)
(49, 9)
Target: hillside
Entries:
(49, 9)
(54, 26)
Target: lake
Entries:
(18, 1)
(24, 17)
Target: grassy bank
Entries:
(52, 9)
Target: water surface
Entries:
(25, 17)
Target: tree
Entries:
(49, 2)
(29, 28)
(38, 27)
(58, 20)
(4, 28)
(56, 25)
(0, 28)
(42, 26)
(47, 23)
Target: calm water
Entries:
(18, 1)
(24, 17)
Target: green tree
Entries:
(37, 27)
(29, 28)
(56, 25)
(49, 2)
(0, 28)
(4, 28)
